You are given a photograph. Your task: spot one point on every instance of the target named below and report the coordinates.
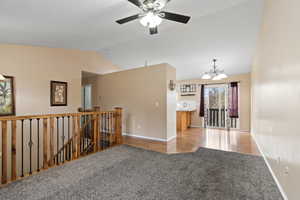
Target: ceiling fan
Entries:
(152, 14)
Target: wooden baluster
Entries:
(111, 116)
(74, 135)
(4, 152)
(95, 133)
(14, 150)
(45, 143)
(118, 125)
(100, 131)
(78, 136)
(98, 134)
(51, 163)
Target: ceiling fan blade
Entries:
(153, 30)
(136, 2)
(175, 17)
(128, 19)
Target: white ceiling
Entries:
(225, 29)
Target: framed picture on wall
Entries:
(7, 96)
(58, 93)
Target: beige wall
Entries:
(245, 98)
(276, 92)
(34, 67)
(142, 92)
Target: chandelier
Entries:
(214, 74)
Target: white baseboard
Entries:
(192, 126)
(171, 138)
(150, 138)
(270, 169)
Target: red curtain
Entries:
(234, 100)
(202, 111)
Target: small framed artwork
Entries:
(7, 96)
(59, 93)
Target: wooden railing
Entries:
(34, 143)
(216, 117)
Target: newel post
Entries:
(118, 125)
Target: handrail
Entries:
(51, 115)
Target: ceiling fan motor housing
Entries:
(155, 4)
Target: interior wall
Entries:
(276, 92)
(34, 68)
(142, 92)
(245, 98)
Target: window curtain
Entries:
(202, 111)
(234, 100)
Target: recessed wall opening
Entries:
(89, 93)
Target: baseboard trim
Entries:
(270, 169)
(192, 126)
(171, 138)
(149, 138)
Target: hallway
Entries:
(194, 138)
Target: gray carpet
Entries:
(127, 173)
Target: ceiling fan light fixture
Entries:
(151, 20)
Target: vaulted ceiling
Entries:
(222, 29)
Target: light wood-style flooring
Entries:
(194, 138)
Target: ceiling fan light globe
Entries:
(151, 20)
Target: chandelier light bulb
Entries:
(206, 76)
(216, 78)
(151, 20)
(222, 76)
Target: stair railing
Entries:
(30, 144)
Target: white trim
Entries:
(171, 138)
(270, 169)
(149, 138)
(192, 126)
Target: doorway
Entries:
(86, 98)
(89, 91)
(217, 107)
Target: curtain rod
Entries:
(224, 83)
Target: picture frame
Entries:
(7, 97)
(58, 93)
